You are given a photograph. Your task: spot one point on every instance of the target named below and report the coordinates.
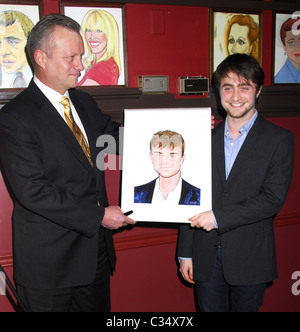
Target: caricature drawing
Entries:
(101, 41)
(15, 28)
(167, 153)
(290, 72)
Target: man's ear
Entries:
(182, 160)
(259, 92)
(151, 156)
(40, 58)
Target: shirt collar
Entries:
(245, 129)
(7, 79)
(53, 96)
(173, 195)
(291, 67)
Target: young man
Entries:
(229, 253)
(63, 245)
(167, 150)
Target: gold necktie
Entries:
(75, 129)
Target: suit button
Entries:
(225, 194)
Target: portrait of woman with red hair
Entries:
(236, 33)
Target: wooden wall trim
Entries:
(157, 238)
(170, 237)
(146, 240)
(247, 4)
(275, 101)
(6, 259)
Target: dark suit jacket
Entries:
(56, 217)
(244, 207)
(190, 195)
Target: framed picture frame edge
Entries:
(273, 73)
(214, 10)
(122, 6)
(40, 4)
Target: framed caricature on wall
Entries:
(235, 32)
(103, 30)
(286, 62)
(17, 18)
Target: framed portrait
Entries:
(286, 62)
(103, 28)
(235, 32)
(17, 18)
(167, 164)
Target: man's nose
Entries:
(4, 49)
(79, 64)
(236, 95)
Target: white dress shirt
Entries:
(173, 198)
(54, 98)
(8, 79)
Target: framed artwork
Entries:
(235, 32)
(17, 18)
(286, 62)
(103, 28)
(167, 164)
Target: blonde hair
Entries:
(167, 139)
(104, 21)
(9, 17)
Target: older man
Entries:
(63, 246)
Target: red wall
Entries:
(181, 49)
(174, 41)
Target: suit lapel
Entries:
(50, 116)
(218, 151)
(249, 145)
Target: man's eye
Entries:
(12, 42)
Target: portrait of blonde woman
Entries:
(101, 41)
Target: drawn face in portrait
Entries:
(164, 180)
(13, 42)
(235, 33)
(292, 48)
(287, 55)
(97, 42)
(101, 40)
(239, 40)
(167, 162)
(15, 27)
(14, 31)
(242, 35)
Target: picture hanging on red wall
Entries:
(103, 28)
(235, 32)
(286, 63)
(17, 18)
